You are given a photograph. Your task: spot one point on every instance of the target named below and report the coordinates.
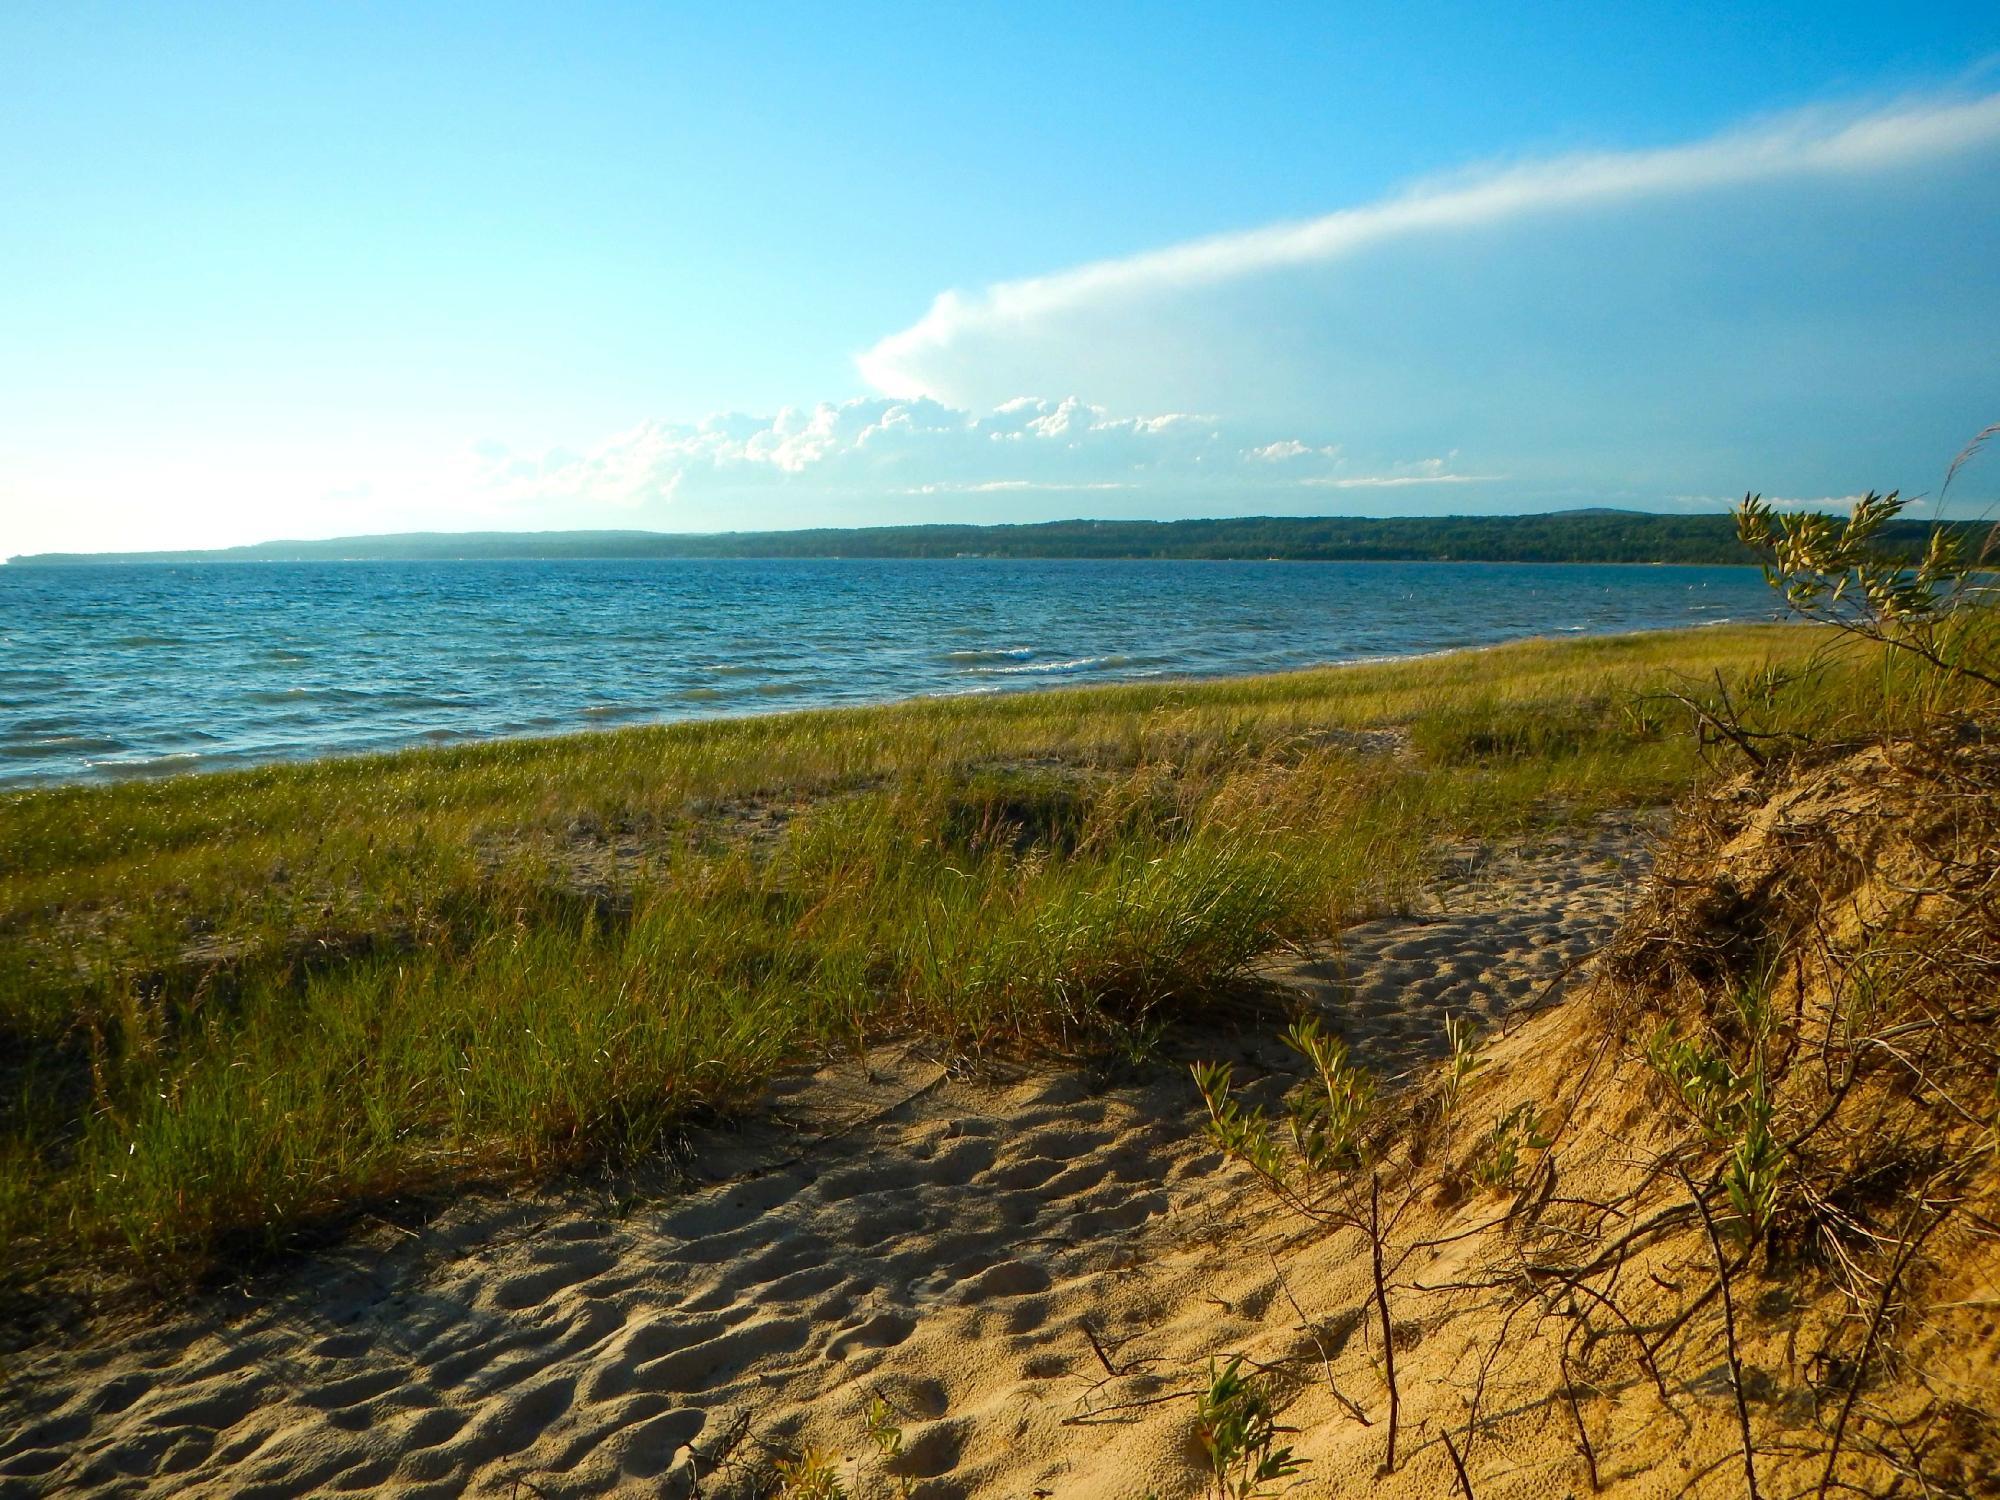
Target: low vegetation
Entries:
(236, 1010)
(1731, 1217)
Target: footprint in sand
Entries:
(650, 1447)
(885, 1330)
(933, 1449)
(1011, 1278)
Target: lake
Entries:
(139, 669)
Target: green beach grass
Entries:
(237, 1009)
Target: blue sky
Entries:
(302, 271)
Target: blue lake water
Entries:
(132, 670)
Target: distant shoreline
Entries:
(53, 562)
(1575, 536)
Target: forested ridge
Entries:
(1611, 536)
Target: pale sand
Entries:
(947, 1243)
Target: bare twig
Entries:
(1108, 1413)
(1382, 1308)
(1312, 1330)
(1904, 1253)
(1104, 1358)
(1576, 1413)
(1729, 1334)
(1646, 1360)
(1457, 1464)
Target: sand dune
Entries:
(1026, 1270)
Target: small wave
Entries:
(992, 653)
(176, 758)
(149, 640)
(384, 699)
(1050, 668)
(702, 694)
(61, 744)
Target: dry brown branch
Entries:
(1458, 1465)
(1912, 1241)
(1576, 1414)
(1382, 1309)
(1731, 1348)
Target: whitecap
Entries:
(1044, 668)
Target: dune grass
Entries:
(237, 1008)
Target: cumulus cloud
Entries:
(1289, 448)
(870, 447)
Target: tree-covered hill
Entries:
(1561, 536)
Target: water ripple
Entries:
(138, 670)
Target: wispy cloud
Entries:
(1023, 486)
(1809, 143)
(1396, 481)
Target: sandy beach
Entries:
(1051, 753)
(1024, 1267)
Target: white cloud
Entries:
(875, 445)
(1397, 481)
(1021, 486)
(1401, 476)
(1795, 306)
(1802, 307)
(1805, 144)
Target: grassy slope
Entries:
(241, 1005)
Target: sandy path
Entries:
(951, 1245)
(1502, 931)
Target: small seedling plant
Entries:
(1730, 1098)
(1461, 1034)
(887, 1436)
(1239, 1433)
(1499, 1163)
(1322, 1120)
(1320, 1172)
(811, 1474)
